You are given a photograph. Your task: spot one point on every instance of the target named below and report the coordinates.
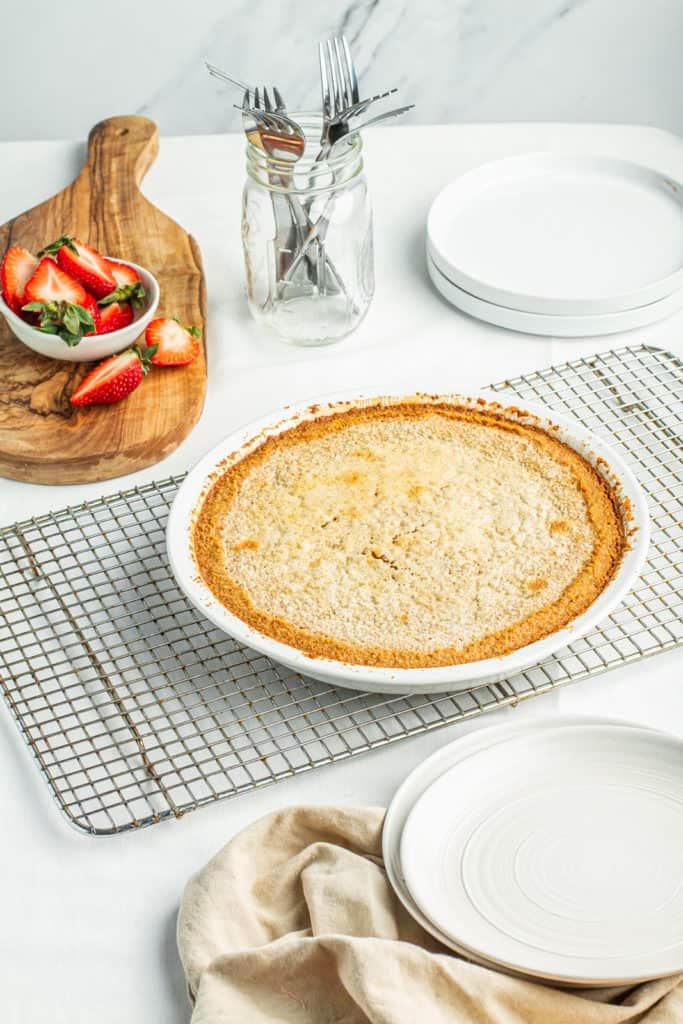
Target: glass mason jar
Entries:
(307, 237)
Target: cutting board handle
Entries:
(121, 150)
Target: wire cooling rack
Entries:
(137, 709)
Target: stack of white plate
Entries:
(551, 849)
(560, 245)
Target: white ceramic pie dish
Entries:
(398, 680)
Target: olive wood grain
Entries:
(43, 439)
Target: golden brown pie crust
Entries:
(603, 510)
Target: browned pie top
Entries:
(409, 534)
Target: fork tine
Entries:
(266, 100)
(344, 74)
(324, 84)
(344, 91)
(271, 120)
(359, 108)
(351, 69)
(281, 124)
(245, 100)
(279, 102)
(383, 117)
(336, 91)
(345, 71)
(257, 101)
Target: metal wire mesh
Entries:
(137, 709)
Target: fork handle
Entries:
(313, 233)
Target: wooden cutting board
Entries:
(43, 439)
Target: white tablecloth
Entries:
(88, 925)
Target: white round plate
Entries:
(558, 854)
(412, 788)
(396, 680)
(560, 233)
(554, 326)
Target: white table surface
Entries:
(88, 925)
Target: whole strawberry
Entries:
(113, 379)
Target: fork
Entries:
(224, 76)
(338, 84)
(339, 88)
(299, 216)
(340, 95)
(285, 140)
(345, 114)
(338, 136)
(359, 108)
(340, 92)
(282, 139)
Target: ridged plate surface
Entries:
(558, 853)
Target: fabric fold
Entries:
(294, 920)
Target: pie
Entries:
(409, 533)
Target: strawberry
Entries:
(113, 379)
(69, 321)
(50, 283)
(90, 304)
(176, 345)
(82, 262)
(18, 266)
(121, 273)
(115, 316)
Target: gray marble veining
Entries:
(458, 60)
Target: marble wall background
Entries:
(67, 65)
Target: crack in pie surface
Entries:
(409, 534)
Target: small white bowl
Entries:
(443, 679)
(99, 346)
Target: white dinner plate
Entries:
(554, 326)
(557, 854)
(446, 679)
(412, 788)
(561, 233)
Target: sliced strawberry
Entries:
(50, 283)
(113, 379)
(176, 345)
(18, 266)
(82, 262)
(115, 316)
(91, 305)
(121, 272)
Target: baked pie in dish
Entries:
(409, 533)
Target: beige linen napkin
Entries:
(294, 920)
